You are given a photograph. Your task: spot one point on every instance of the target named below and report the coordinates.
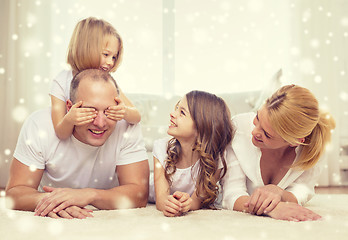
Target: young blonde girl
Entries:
(95, 43)
(188, 167)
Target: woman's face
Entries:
(182, 126)
(263, 134)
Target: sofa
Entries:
(155, 111)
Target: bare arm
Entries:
(161, 185)
(64, 122)
(62, 127)
(132, 114)
(22, 186)
(132, 192)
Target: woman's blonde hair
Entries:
(294, 113)
(212, 119)
(87, 43)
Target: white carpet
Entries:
(148, 223)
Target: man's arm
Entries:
(22, 186)
(132, 192)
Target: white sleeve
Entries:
(60, 87)
(133, 147)
(30, 148)
(234, 182)
(303, 186)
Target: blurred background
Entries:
(174, 46)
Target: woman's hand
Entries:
(293, 212)
(264, 199)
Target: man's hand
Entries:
(78, 115)
(118, 112)
(264, 199)
(293, 212)
(61, 198)
(72, 212)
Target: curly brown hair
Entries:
(215, 131)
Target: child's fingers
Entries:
(171, 209)
(171, 201)
(77, 105)
(115, 117)
(178, 195)
(80, 123)
(186, 203)
(118, 100)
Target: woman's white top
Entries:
(298, 182)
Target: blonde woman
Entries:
(94, 43)
(187, 168)
(279, 150)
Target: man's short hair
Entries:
(93, 74)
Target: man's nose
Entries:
(100, 120)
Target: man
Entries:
(103, 164)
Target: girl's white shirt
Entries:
(183, 180)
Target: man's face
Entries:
(98, 95)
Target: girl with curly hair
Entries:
(188, 167)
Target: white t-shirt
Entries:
(183, 180)
(298, 182)
(61, 85)
(71, 163)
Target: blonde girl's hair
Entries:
(87, 43)
(212, 119)
(294, 113)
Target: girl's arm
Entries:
(62, 127)
(193, 202)
(132, 114)
(164, 201)
(64, 122)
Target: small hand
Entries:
(172, 207)
(78, 115)
(264, 199)
(185, 200)
(117, 112)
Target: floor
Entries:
(318, 190)
(331, 190)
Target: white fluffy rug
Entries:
(148, 223)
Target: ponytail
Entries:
(315, 143)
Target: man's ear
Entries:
(68, 104)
